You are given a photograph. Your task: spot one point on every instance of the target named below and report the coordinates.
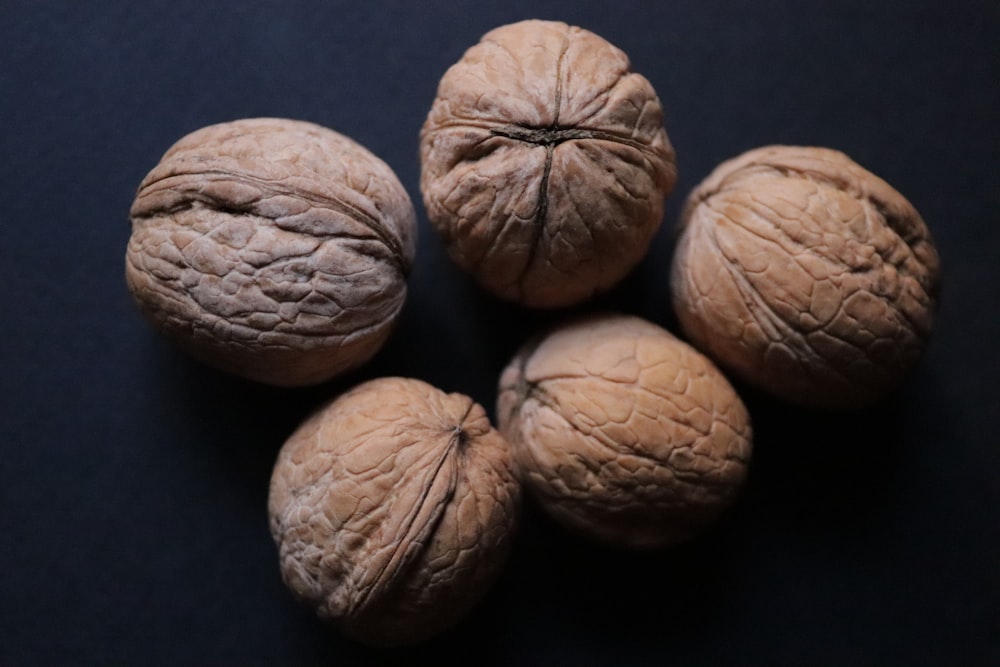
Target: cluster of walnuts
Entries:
(278, 250)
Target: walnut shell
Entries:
(545, 163)
(805, 275)
(271, 248)
(393, 509)
(624, 433)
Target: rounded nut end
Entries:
(393, 509)
(545, 163)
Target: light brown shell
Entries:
(271, 248)
(545, 163)
(805, 275)
(393, 509)
(624, 433)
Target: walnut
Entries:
(624, 433)
(545, 163)
(805, 275)
(271, 248)
(393, 509)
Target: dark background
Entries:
(133, 481)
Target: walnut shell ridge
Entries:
(623, 433)
(271, 248)
(545, 163)
(393, 509)
(806, 275)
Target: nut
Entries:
(393, 509)
(273, 249)
(805, 275)
(624, 433)
(545, 163)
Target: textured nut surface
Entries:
(805, 275)
(272, 248)
(623, 432)
(545, 163)
(393, 509)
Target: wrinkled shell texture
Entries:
(393, 509)
(624, 433)
(271, 248)
(545, 163)
(805, 275)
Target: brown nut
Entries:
(545, 163)
(624, 433)
(805, 275)
(273, 249)
(393, 509)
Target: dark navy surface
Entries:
(133, 481)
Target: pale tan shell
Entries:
(393, 510)
(624, 433)
(545, 163)
(272, 248)
(805, 275)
